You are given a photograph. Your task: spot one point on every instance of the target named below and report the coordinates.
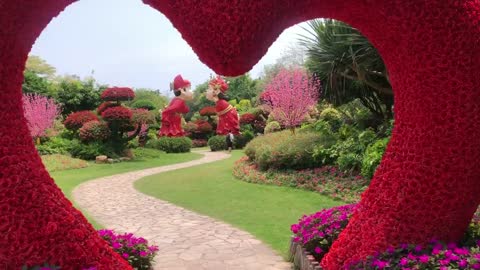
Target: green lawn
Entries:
(265, 211)
(67, 180)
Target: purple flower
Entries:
(125, 255)
(143, 253)
(318, 250)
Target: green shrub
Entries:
(55, 145)
(217, 143)
(171, 144)
(143, 104)
(146, 153)
(282, 150)
(88, 151)
(241, 140)
(372, 157)
(349, 162)
(332, 116)
(272, 127)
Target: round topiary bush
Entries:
(75, 120)
(118, 94)
(105, 105)
(144, 104)
(94, 131)
(142, 116)
(171, 144)
(117, 114)
(282, 150)
(272, 127)
(217, 143)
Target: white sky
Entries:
(127, 43)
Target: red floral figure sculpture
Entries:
(227, 114)
(172, 115)
(427, 185)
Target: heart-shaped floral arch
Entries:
(426, 187)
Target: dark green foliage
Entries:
(55, 145)
(171, 144)
(373, 156)
(76, 95)
(144, 104)
(217, 143)
(241, 140)
(88, 151)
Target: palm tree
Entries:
(348, 65)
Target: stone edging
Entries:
(301, 258)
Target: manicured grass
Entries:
(69, 179)
(265, 211)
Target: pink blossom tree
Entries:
(290, 96)
(40, 113)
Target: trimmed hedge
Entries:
(171, 144)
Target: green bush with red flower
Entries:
(317, 232)
(327, 180)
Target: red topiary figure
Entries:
(118, 94)
(172, 115)
(75, 120)
(227, 114)
(426, 187)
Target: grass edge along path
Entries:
(265, 211)
(67, 180)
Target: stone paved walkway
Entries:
(187, 240)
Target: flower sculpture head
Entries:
(217, 88)
(181, 88)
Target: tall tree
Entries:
(291, 95)
(40, 67)
(40, 113)
(242, 87)
(77, 95)
(348, 65)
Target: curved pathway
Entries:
(187, 240)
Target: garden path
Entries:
(186, 240)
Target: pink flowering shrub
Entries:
(317, 232)
(199, 143)
(133, 249)
(40, 113)
(327, 180)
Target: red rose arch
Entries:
(426, 187)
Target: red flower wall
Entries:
(426, 187)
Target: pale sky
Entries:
(130, 44)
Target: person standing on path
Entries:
(229, 139)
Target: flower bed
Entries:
(327, 180)
(314, 235)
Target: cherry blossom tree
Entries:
(290, 96)
(40, 113)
